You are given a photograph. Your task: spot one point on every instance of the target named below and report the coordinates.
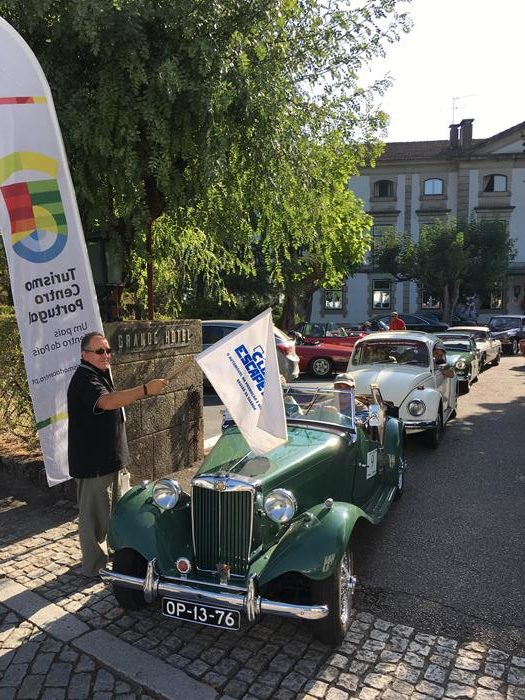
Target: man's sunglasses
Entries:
(101, 351)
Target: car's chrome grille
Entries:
(222, 528)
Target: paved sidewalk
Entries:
(62, 636)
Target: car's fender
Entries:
(313, 545)
(431, 398)
(136, 522)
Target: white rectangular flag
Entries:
(51, 281)
(244, 371)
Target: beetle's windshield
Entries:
(401, 352)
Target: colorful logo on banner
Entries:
(36, 213)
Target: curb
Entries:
(137, 667)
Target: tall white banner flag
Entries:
(244, 371)
(51, 279)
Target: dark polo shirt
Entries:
(97, 443)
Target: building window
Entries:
(496, 299)
(378, 231)
(381, 294)
(333, 299)
(433, 186)
(495, 183)
(492, 300)
(429, 300)
(384, 188)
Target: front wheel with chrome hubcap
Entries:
(337, 592)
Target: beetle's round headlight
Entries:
(416, 407)
(166, 493)
(460, 364)
(280, 506)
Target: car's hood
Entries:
(395, 381)
(505, 333)
(231, 456)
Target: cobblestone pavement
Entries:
(273, 659)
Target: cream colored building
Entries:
(413, 183)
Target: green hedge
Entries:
(16, 410)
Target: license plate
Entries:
(202, 614)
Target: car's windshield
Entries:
(480, 335)
(503, 323)
(335, 407)
(405, 352)
(462, 345)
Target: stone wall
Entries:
(165, 432)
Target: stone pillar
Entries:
(165, 432)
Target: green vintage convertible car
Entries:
(265, 534)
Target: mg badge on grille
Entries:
(224, 573)
(220, 485)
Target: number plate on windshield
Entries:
(202, 614)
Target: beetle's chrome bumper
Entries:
(243, 599)
(416, 426)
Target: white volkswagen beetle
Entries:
(421, 389)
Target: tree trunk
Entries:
(455, 297)
(149, 271)
(287, 320)
(447, 311)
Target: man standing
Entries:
(396, 323)
(97, 443)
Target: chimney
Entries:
(465, 133)
(453, 141)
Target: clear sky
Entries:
(471, 50)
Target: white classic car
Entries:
(417, 386)
(489, 347)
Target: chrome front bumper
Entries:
(244, 599)
(416, 426)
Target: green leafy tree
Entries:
(450, 258)
(193, 129)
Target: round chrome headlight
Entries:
(460, 364)
(280, 506)
(416, 407)
(166, 493)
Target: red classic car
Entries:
(327, 333)
(323, 359)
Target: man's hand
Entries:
(156, 386)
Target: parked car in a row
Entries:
(332, 333)
(323, 359)
(464, 356)
(402, 364)
(489, 347)
(509, 330)
(214, 330)
(413, 322)
(264, 535)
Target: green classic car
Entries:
(464, 356)
(265, 534)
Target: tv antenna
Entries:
(454, 100)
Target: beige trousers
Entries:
(96, 497)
